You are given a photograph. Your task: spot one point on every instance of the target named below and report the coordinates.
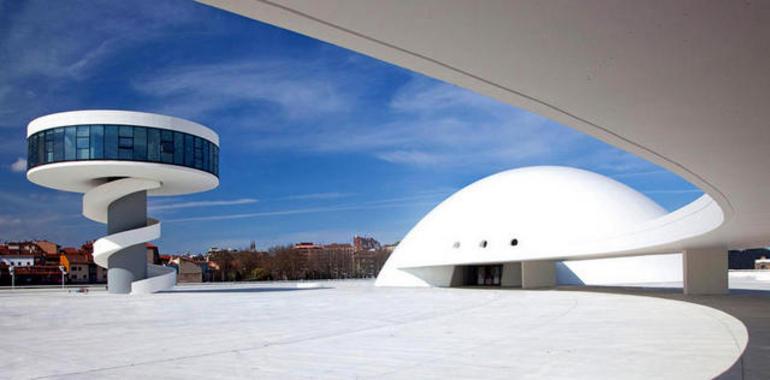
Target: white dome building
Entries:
(535, 215)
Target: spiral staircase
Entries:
(96, 203)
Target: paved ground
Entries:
(352, 330)
(749, 301)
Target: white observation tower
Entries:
(117, 159)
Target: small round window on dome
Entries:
(483, 244)
(456, 244)
(514, 242)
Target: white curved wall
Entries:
(630, 270)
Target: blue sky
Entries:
(318, 143)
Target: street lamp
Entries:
(63, 272)
(12, 271)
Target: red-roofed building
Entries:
(80, 267)
(29, 262)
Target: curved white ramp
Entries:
(96, 203)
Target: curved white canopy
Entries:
(683, 84)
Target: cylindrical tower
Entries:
(117, 159)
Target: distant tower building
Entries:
(117, 159)
(363, 243)
(253, 246)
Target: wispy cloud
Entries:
(317, 196)
(410, 201)
(9, 220)
(18, 166)
(48, 48)
(324, 106)
(433, 125)
(198, 204)
(294, 88)
(644, 173)
(69, 40)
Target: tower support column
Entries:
(538, 274)
(705, 270)
(129, 264)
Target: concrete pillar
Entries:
(705, 271)
(538, 274)
(511, 275)
(129, 264)
(459, 276)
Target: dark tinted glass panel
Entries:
(69, 143)
(211, 158)
(49, 146)
(58, 144)
(140, 144)
(125, 142)
(216, 160)
(188, 150)
(206, 156)
(126, 153)
(110, 142)
(167, 146)
(40, 148)
(86, 142)
(178, 148)
(97, 141)
(153, 144)
(198, 153)
(31, 148)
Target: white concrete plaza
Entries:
(351, 329)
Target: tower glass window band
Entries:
(122, 142)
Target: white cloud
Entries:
(7, 221)
(432, 125)
(196, 204)
(317, 196)
(65, 40)
(48, 48)
(19, 166)
(429, 199)
(421, 95)
(301, 90)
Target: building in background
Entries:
(188, 271)
(31, 262)
(308, 247)
(17, 260)
(363, 243)
(79, 266)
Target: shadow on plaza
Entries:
(243, 290)
(750, 306)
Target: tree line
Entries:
(289, 263)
